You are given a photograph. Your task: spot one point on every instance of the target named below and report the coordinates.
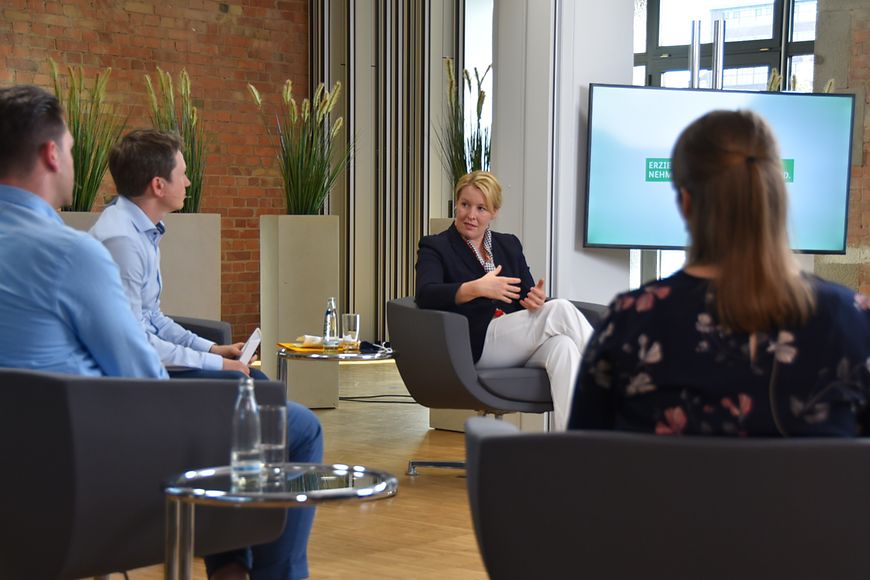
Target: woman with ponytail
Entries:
(738, 342)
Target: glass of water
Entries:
(350, 331)
(273, 440)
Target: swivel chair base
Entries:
(414, 464)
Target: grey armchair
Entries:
(616, 505)
(84, 462)
(432, 349)
(217, 331)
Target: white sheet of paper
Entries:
(251, 346)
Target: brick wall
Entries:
(224, 46)
(859, 78)
(843, 54)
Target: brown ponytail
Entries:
(729, 163)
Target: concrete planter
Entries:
(190, 261)
(299, 262)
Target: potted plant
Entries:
(465, 146)
(95, 127)
(310, 157)
(299, 252)
(190, 256)
(185, 122)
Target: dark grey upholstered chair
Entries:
(84, 460)
(604, 505)
(217, 331)
(432, 349)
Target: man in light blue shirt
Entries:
(131, 228)
(149, 172)
(62, 307)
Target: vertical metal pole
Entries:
(185, 544)
(170, 562)
(695, 54)
(785, 37)
(350, 174)
(718, 54)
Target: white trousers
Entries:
(553, 338)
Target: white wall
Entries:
(523, 59)
(594, 45)
(546, 52)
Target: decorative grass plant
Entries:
(774, 83)
(311, 157)
(95, 128)
(183, 121)
(464, 147)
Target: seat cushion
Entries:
(517, 383)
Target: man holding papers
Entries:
(149, 172)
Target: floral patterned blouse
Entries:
(660, 363)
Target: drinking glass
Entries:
(273, 439)
(350, 330)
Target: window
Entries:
(747, 20)
(760, 35)
(804, 21)
(478, 55)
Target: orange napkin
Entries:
(298, 347)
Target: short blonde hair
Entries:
(488, 185)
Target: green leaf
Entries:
(95, 127)
(183, 119)
(311, 156)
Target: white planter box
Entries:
(190, 261)
(298, 272)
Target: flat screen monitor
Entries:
(631, 203)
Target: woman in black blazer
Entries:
(483, 275)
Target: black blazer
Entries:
(444, 262)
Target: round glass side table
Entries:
(293, 485)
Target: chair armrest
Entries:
(592, 311)
(217, 331)
(433, 354)
(477, 430)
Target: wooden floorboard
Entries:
(424, 532)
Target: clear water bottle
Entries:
(330, 325)
(246, 459)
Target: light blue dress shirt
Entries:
(62, 308)
(133, 241)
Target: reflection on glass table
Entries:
(288, 486)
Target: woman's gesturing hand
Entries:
(490, 285)
(535, 298)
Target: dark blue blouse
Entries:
(660, 363)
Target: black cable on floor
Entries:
(374, 396)
(368, 399)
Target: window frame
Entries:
(774, 52)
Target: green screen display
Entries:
(630, 201)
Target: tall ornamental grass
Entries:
(95, 128)
(465, 146)
(183, 121)
(310, 154)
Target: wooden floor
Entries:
(424, 532)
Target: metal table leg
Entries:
(170, 560)
(179, 539)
